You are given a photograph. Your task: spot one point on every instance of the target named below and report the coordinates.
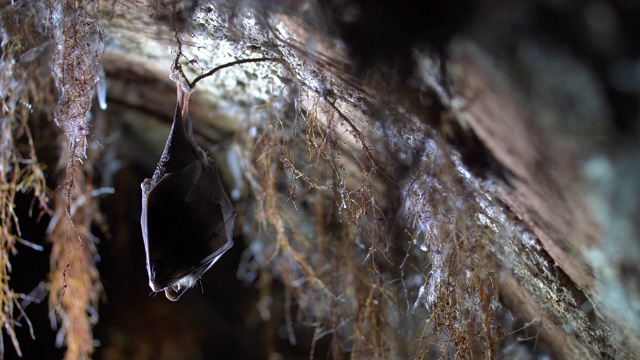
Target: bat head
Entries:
(177, 288)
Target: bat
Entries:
(187, 219)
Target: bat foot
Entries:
(183, 95)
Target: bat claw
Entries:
(183, 99)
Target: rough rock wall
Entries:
(413, 180)
(532, 115)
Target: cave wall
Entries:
(427, 179)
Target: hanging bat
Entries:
(187, 219)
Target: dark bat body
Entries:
(187, 219)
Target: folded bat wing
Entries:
(187, 219)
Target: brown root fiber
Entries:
(455, 182)
(20, 171)
(77, 45)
